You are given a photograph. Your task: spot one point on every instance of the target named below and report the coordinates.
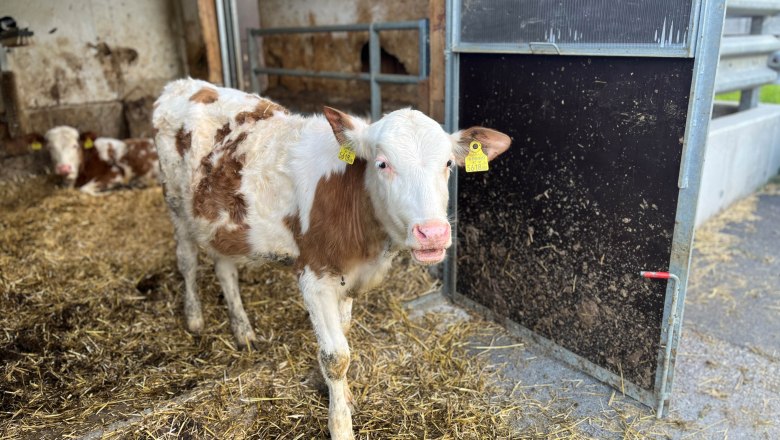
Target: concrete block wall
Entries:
(743, 153)
(88, 58)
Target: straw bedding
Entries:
(92, 341)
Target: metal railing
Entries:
(752, 60)
(374, 75)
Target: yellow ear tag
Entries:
(347, 155)
(88, 143)
(476, 160)
(36, 146)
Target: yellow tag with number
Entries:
(36, 146)
(88, 143)
(347, 155)
(476, 159)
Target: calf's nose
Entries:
(432, 233)
(63, 169)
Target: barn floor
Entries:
(92, 344)
(92, 341)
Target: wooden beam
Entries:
(437, 18)
(207, 14)
(16, 120)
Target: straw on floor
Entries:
(92, 341)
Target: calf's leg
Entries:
(316, 380)
(322, 300)
(187, 260)
(345, 313)
(227, 273)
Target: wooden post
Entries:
(437, 17)
(15, 115)
(207, 14)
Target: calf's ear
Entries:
(35, 137)
(87, 135)
(493, 142)
(349, 130)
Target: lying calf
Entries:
(246, 180)
(97, 164)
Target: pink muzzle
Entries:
(63, 169)
(433, 238)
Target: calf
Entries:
(248, 181)
(21, 145)
(97, 164)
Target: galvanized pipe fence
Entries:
(375, 76)
(752, 59)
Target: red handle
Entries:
(660, 275)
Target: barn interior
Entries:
(98, 66)
(92, 343)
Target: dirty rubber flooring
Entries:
(727, 382)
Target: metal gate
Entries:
(375, 77)
(607, 103)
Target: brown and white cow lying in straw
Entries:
(97, 164)
(247, 180)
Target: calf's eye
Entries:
(449, 163)
(381, 164)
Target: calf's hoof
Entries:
(195, 324)
(246, 339)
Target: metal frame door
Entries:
(701, 45)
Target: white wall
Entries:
(65, 66)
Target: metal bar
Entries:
(748, 45)
(649, 50)
(252, 49)
(694, 146)
(749, 99)
(386, 26)
(397, 79)
(450, 123)
(375, 66)
(223, 44)
(695, 26)
(230, 26)
(236, 40)
(375, 76)
(664, 390)
(752, 8)
(730, 81)
(422, 56)
(381, 78)
(395, 25)
(757, 25)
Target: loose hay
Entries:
(92, 342)
(716, 244)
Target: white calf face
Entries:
(63, 145)
(409, 162)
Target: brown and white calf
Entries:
(97, 164)
(246, 180)
(21, 145)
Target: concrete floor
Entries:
(727, 377)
